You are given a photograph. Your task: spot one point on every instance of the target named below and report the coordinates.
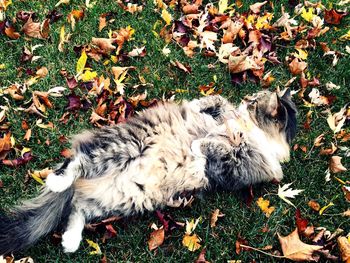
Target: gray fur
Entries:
(144, 164)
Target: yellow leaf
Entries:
(302, 54)
(81, 62)
(191, 226)
(191, 242)
(37, 178)
(5, 3)
(88, 75)
(264, 206)
(223, 6)
(325, 207)
(25, 150)
(95, 246)
(166, 16)
(346, 36)
(2, 66)
(263, 22)
(307, 15)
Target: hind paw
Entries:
(70, 241)
(58, 183)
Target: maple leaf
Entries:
(192, 242)
(265, 206)
(285, 192)
(307, 15)
(105, 44)
(296, 67)
(37, 29)
(293, 248)
(333, 16)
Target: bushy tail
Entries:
(34, 219)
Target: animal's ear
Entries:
(274, 104)
(285, 94)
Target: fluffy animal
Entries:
(205, 144)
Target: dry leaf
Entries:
(335, 164)
(256, 7)
(95, 246)
(105, 44)
(242, 63)
(201, 257)
(286, 192)
(296, 67)
(328, 151)
(346, 190)
(37, 29)
(156, 239)
(264, 206)
(293, 248)
(344, 247)
(214, 217)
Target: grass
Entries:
(130, 244)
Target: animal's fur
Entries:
(204, 144)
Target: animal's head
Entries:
(273, 112)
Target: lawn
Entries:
(161, 69)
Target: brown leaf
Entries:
(156, 239)
(333, 17)
(242, 63)
(240, 241)
(201, 257)
(328, 151)
(346, 190)
(214, 217)
(297, 66)
(42, 72)
(190, 9)
(37, 29)
(293, 248)
(5, 143)
(105, 44)
(11, 32)
(335, 164)
(102, 22)
(186, 69)
(256, 7)
(66, 153)
(344, 247)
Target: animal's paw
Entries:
(196, 148)
(71, 241)
(58, 183)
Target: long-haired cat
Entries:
(144, 164)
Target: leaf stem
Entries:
(261, 251)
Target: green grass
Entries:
(130, 244)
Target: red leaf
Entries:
(74, 102)
(333, 17)
(301, 222)
(19, 161)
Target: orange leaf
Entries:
(344, 247)
(265, 206)
(156, 239)
(214, 217)
(296, 67)
(191, 242)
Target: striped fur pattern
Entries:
(144, 164)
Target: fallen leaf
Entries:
(95, 247)
(297, 66)
(325, 207)
(166, 16)
(314, 205)
(344, 247)
(201, 257)
(186, 69)
(300, 222)
(265, 206)
(241, 63)
(192, 242)
(328, 151)
(81, 62)
(285, 192)
(37, 29)
(346, 191)
(293, 248)
(105, 44)
(333, 16)
(214, 217)
(257, 6)
(156, 239)
(335, 164)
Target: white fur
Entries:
(72, 237)
(58, 183)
